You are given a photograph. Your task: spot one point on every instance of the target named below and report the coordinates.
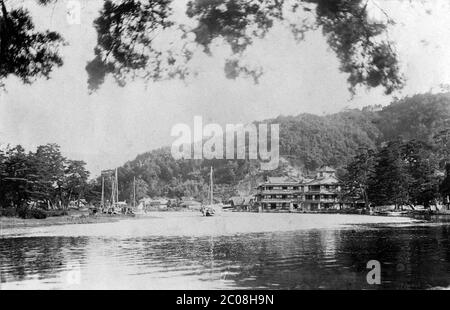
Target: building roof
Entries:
(326, 169)
(281, 180)
(323, 181)
(307, 180)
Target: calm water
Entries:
(412, 256)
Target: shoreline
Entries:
(16, 222)
(192, 224)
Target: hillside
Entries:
(306, 142)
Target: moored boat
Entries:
(208, 211)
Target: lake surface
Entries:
(229, 251)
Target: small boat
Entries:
(208, 211)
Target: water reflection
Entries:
(41, 258)
(411, 257)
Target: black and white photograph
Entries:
(224, 145)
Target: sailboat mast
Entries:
(117, 187)
(103, 191)
(211, 185)
(134, 192)
(113, 188)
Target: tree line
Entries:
(43, 179)
(400, 173)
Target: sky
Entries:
(113, 125)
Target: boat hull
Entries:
(210, 210)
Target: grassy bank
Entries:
(15, 222)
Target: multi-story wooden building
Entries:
(323, 191)
(279, 193)
(287, 193)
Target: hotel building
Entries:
(287, 193)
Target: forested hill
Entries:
(310, 141)
(317, 140)
(306, 142)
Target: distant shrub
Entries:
(38, 214)
(8, 212)
(22, 212)
(51, 213)
(26, 213)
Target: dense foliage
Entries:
(411, 166)
(24, 51)
(127, 39)
(42, 179)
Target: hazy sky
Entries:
(115, 124)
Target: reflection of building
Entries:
(304, 194)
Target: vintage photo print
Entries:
(224, 145)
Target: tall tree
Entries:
(17, 178)
(444, 187)
(390, 183)
(49, 168)
(422, 166)
(75, 183)
(359, 172)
